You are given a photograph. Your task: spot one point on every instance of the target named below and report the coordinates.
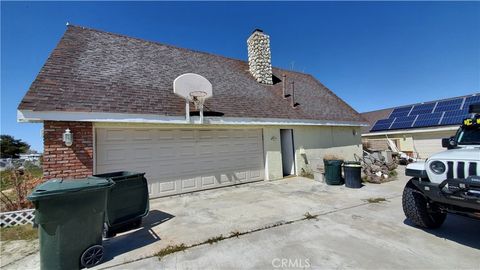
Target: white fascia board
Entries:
(410, 131)
(40, 116)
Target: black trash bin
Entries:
(333, 172)
(70, 216)
(127, 202)
(352, 171)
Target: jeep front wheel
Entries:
(416, 208)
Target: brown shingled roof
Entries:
(96, 71)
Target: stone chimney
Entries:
(259, 57)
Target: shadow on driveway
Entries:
(136, 239)
(463, 230)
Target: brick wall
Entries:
(60, 161)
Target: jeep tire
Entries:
(417, 210)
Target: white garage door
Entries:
(182, 160)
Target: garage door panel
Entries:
(255, 174)
(225, 179)
(113, 155)
(189, 184)
(114, 135)
(142, 134)
(167, 187)
(186, 135)
(240, 176)
(185, 150)
(164, 135)
(142, 153)
(206, 135)
(182, 160)
(207, 181)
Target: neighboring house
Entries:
(417, 129)
(115, 94)
(31, 157)
(6, 164)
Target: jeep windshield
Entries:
(468, 136)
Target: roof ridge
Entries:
(176, 47)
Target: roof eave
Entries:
(29, 116)
(409, 131)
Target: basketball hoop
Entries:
(183, 86)
(198, 98)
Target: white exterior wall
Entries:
(313, 143)
(272, 153)
(423, 143)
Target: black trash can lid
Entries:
(353, 165)
(59, 187)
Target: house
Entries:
(417, 129)
(6, 164)
(114, 94)
(31, 156)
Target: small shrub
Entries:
(306, 173)
(22, 183)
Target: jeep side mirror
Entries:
(448, 143)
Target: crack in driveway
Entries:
(212, 240)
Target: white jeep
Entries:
(447, 182)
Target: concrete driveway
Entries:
(346, 232)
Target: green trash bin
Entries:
(127, 203)
(70, 216)
(333, 172)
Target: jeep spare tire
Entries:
(416, 209)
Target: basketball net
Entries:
(198, 98)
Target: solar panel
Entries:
(428, 120)
(471, 100)
(441, 113)
(398, 112)
(403, 122)
(449, 105)
(382, 124)
(422, 109)
(454, 117)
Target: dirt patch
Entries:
(376, 200)
(21, 232)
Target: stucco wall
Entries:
(422, 143)
(313, 143)
(273, 155)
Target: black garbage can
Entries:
(333, 172)
(70, 215)
(127, 202)
(352, 171)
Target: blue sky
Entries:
(373, 55)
